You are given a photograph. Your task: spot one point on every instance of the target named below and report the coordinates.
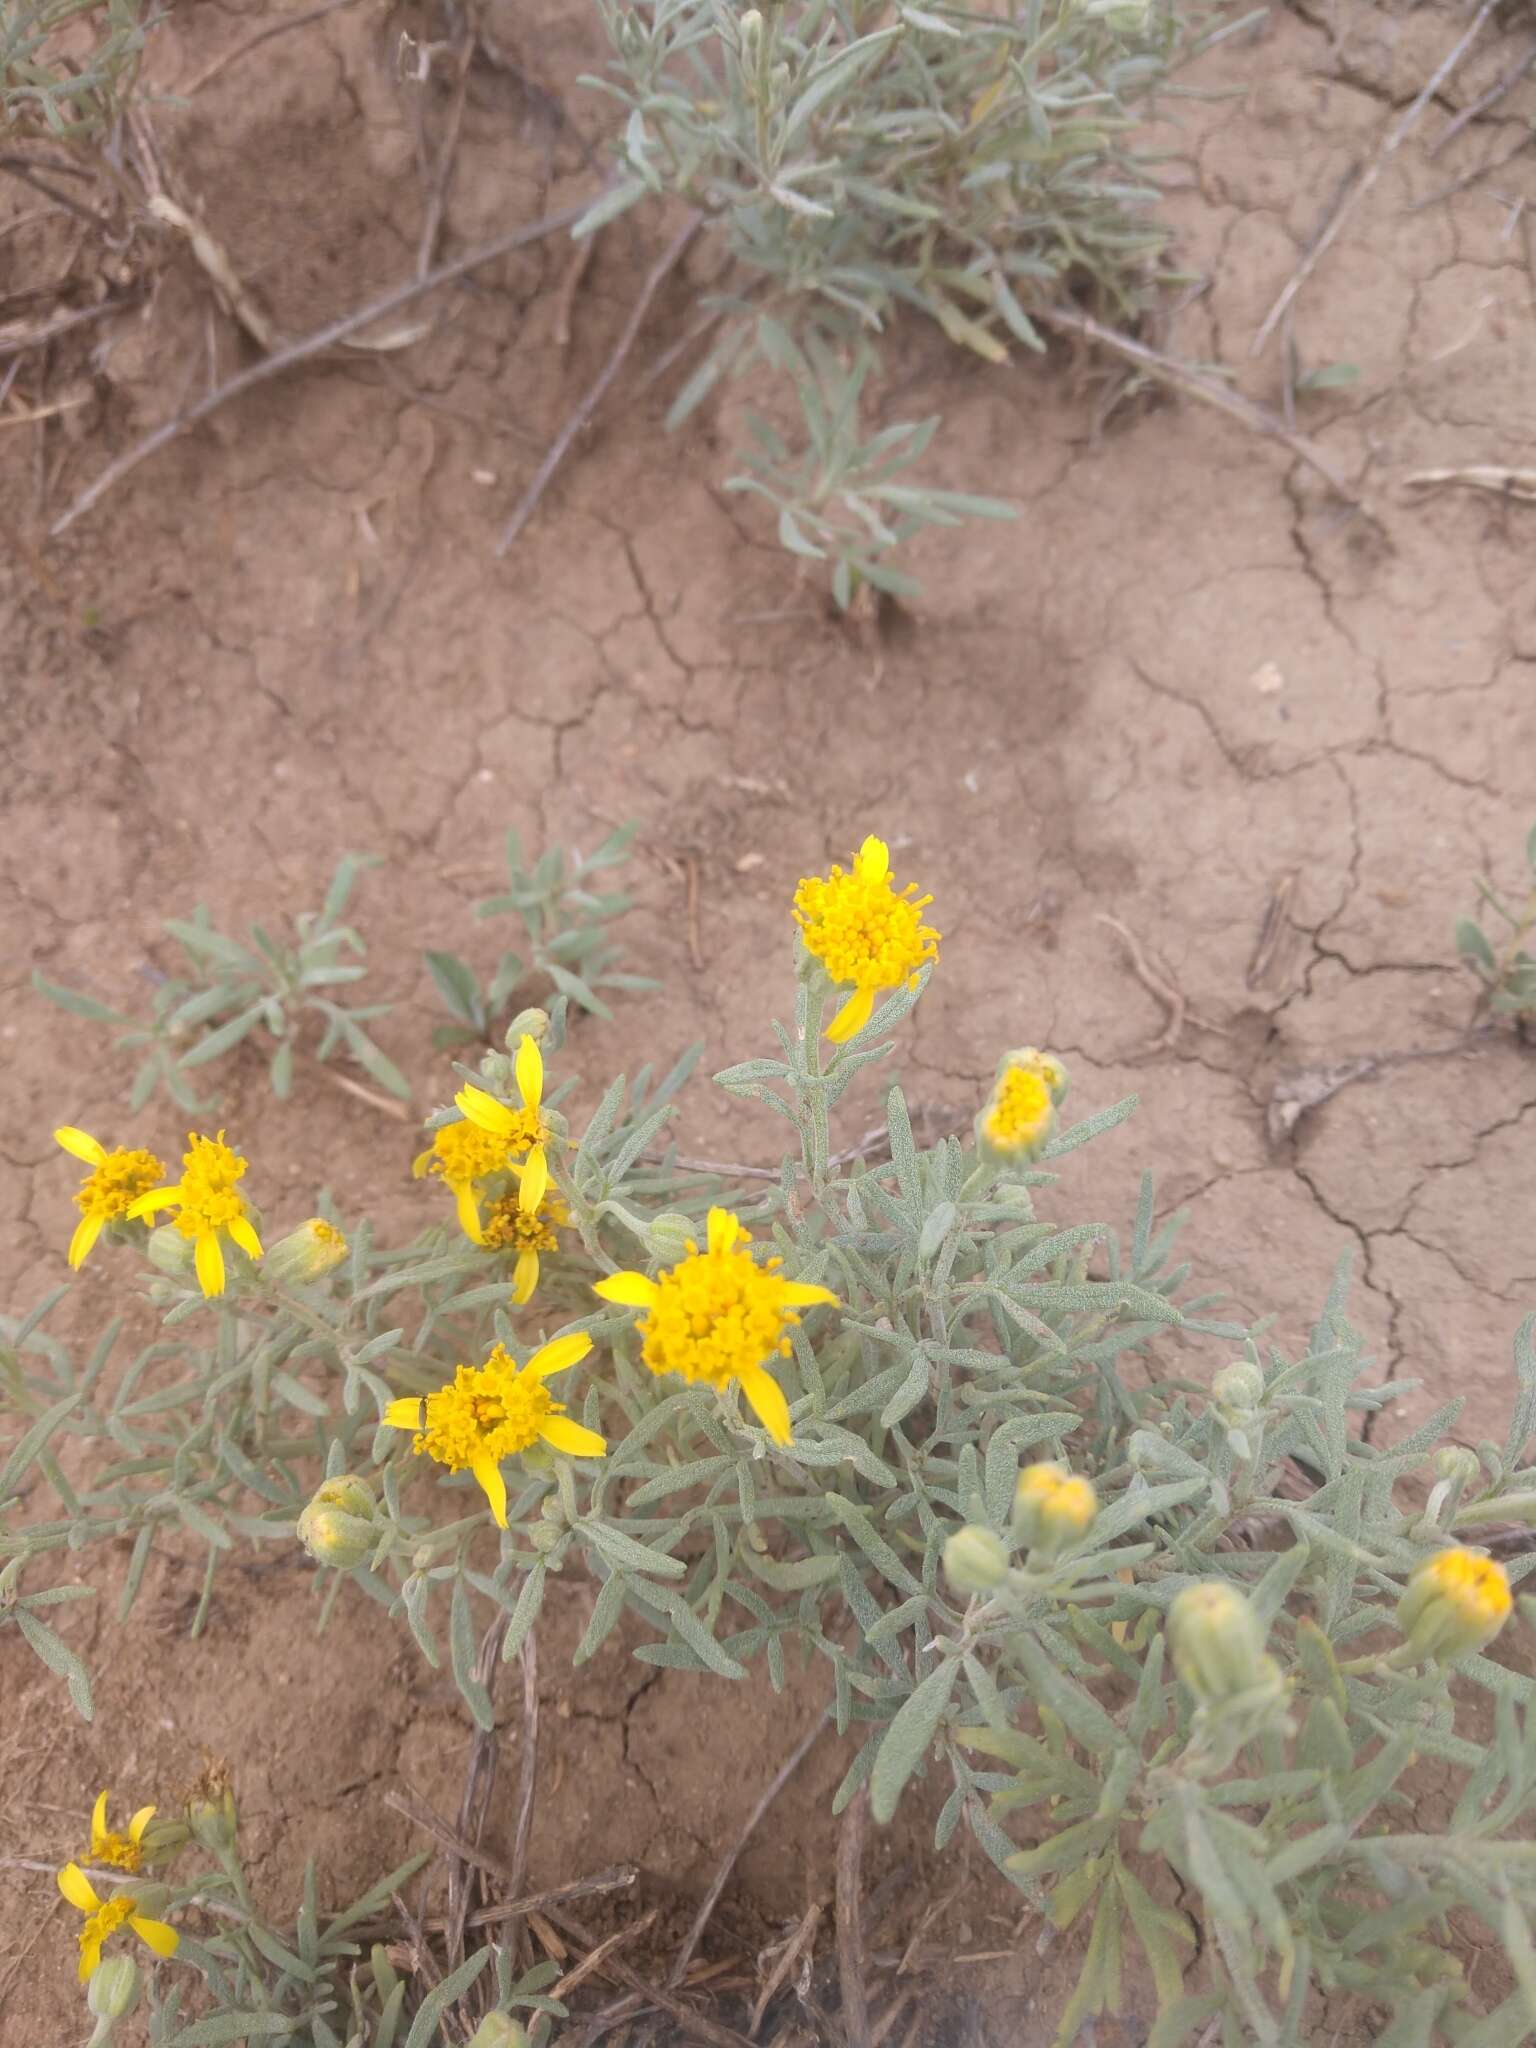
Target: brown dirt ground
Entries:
(1182, 682)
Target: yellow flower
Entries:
(522, 1130)
(106, 1916)
(119, 1852)
(1019, 1114)
(717, 1315)
(493, 1410)
(865, 934)
(463, 1155)
(508, 1226)
(1052, 1507)
(208, 1208)
(109, 1191)
(1455, 1602)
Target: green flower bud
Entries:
(544, 1537)
(211, 1814)
(308, 1253)
(499, 2030)
(532, 1024)
(1218, 1642)
(669, 1236)
(1238, 1388)
(1455, 1461)
(1052, 1508)
(975, 1560)
(340, 1526)
(172, 1253)
(1455, 1602)
(113, 1991)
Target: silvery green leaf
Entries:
(625, 1554)
(440, 2000)
(59, 1658)
(902, 1747)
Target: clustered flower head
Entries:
(491, 1411)
(109, 1191)
(463, 1157)
(105, 1916)
(868, 935)
(508, 1227)
(1019, 1115)
(522, 1130)
(208, 1210)
(1455, 1602)
(1052, 1508)
(118, 1852)
(717, 1316)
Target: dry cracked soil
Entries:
(1187, 691)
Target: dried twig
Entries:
(387, 1105)
(1508, 483)
(265, 35)
(1172, 998)
(479, 1784)
(696, 2024)
(570, 284)
(601, 1953)
(312, 345)
(691, 885)
(1357, 189)
(786, 1771)
(1272, 928)
(1472, 177)
(447, 158)
(16, 339)
(1484, 101)
(416, 1810)
(1197, 385)
(850, 1939)
(792, 1951)
(620, 1878)
(660, 270)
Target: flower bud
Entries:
(1455, 1602)
(1455, 1461)
(340, 1527)
(1238, 1388)
(1020, 1113)
(533, 1023)
(308, 1253)
(499, 2030)
(172, 1253)
(161, 1839)
(1052, 1508)
(1218, 1642)
(211, 1815)
(975, 1560)
(113, 1990)
(669, 1236)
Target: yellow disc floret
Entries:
(1020, 1111)
(716, 1317)
(866, 933)
(118, 1852)
(107, 1194)
(207, 1207)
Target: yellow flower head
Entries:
(109, 1191)
(520, 1130)
(509, 1227)
(462, 1155)
(867, 935)
(119, 1852)
(106, 1916)
(208, 1208)
(1052, 1507)
(494, 1410)
(1455, 1602)
(717, 1315)
(1020, 1112)
(1218, 1641)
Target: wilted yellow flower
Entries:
(462, 1155)
(1052, 1507)
(1455, 1602)
(208, 1209)
(105, 1916)
(522, 1130)
(118, 1852)
(867, 935)
(509, 1227)
(109, 1191)
(717, 1315)
(491, 1411)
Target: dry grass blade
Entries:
(307, 347)
(601, 1953)
(1484, 101)
(786, 1771)
(14, 340)
(696, 2026)
(850, 1936)
(1197, 385)
(1358, 188)
(1508, 483)
(416, 1810)
(660, 270)
(794, 1948)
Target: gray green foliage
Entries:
(52, 84)
(1251, 1852)
(1507, 970)
(273, 991)
(855, 159)
(567, 947)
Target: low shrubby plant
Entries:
(1133, 1591)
